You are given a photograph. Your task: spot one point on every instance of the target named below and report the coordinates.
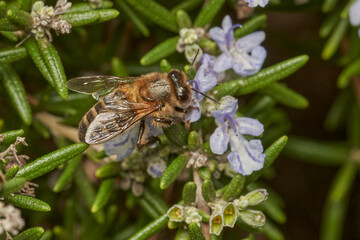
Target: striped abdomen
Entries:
(88, 118)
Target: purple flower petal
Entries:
(250, 64)
(218, 35)
(248, 126)
(354, 14)
(255, 3)
(226, 23)
(251, 41)
(204, 83)
(219, 140)
(195, 111)
(124, 144)
(223, 63)
(227, 109)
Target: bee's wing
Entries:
(98, 86)
(117, 116)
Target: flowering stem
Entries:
(201, 203)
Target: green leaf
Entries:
(194, 141)
(271, 153)
(329, 24)
(285, 95)
(148, 209)
(20, 17)
(189, 193)
(338, 111)
(134, 18)
(68, 174)
(10, 35)
(183, 19)
(207, 14)
(319, 152)
(30, 234)
(182, 234)
(151, 229)
(334, 40)
(177, 134)
(11, 54)
(353, 129)
(10, 136)
(272, 232)
(156, 13)
(12, 186)
(173, 171)
(85, 6)
(250, 26)
(261, 79)
(108, 170)
(48, 235)
(12, 172)
(34, 52)
(3, 9)
(89, 17)
(6, 25)
(204, 172)
(53, 63)
(328, 5)
(346, 76)
(103, 195)
(234, 188)
(159, 52)
(336, 203)
(195, 232)
(156, 202)
(16, 92)
(50, 161)
(208, 190)
(165, 66)
(118, 67)
(187, 5)
(27, 202)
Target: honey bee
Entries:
(125, 101)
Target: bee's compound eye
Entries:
(174, 75)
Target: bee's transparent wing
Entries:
(98, 86)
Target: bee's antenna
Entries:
(212, 99)
(193, 62)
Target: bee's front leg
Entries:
(142, 141)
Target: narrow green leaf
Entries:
(108, 170)
(336, 203)
(258, 105)
(148, 209)
(118, 67)
(16, 92)
(34, 52)
(338, 111)
(261, 79)
(12, 186)
(187, 5)
(207, 14)
(182, 234)
(83, 7)
(50, 161)
(271, 153)
(68, 174)
(204, 172)
(250, 26)
(285, 95)
(89, 17)
(165, 66)
(156, 13)
(134, 18)
(328, 5)
(6, 25)
(151, 229)
(155, 201)
(334, 40)
(159, 52)
(346, 76)
(20, 17)
(173, 171)
(208, 190)
(54, 65)
(48, 235)
(11, 172)
(329, 24)
(30, 234)
(103, 195)
(10, 35)
(11, 54)
(195, 232)
(27, 202)
(10, 136)
(183, 19)
(345, 10)
(189, 193)
(177, 134)
(41, 129)
(353, 129)
(234, 188)
(272, 231)
(3, 9)
(194, 141)
(319, 152)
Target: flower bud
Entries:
(216, 223)
(241, 204)
(253, 218)
(230, 215)
(193, 141)
(192, 216)
(176, 213)
(256, 197)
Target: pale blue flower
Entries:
(354, 14)
(255, 3)
(245, 56)
(245, 156)
(124, 144)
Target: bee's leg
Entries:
(182, 110)
(142, 141)
(167, 122)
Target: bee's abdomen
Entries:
(88, 118)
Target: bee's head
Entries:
(182, 88)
